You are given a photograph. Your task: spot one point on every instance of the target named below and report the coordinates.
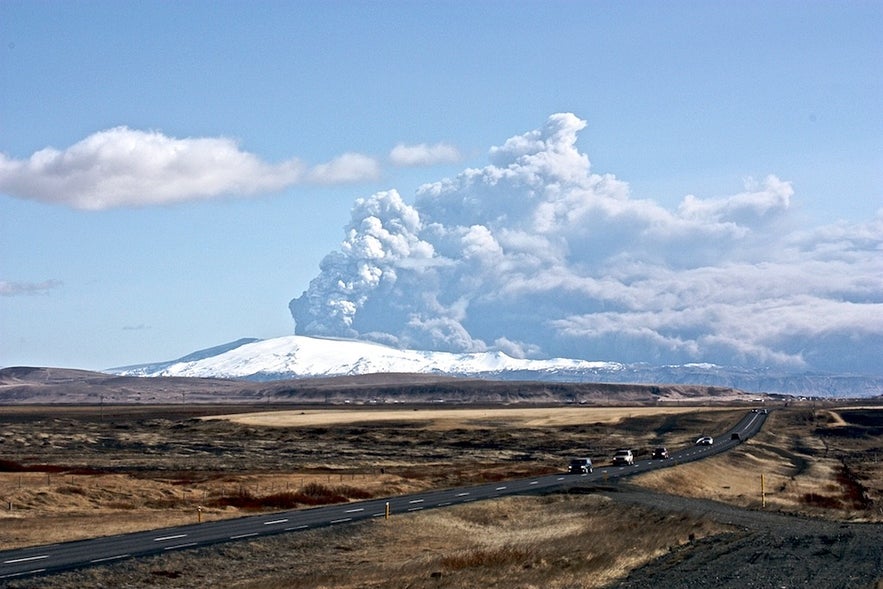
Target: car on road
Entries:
(660, 453)
(705, 441)
(580, 466)
(623, 456)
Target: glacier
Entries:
(298, 356)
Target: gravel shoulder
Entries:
(766, 550)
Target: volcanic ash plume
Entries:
(535, 255)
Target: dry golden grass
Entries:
(553, 542)
(801, 471)
(41, 508)
(457, 418)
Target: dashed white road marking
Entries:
(26, 559)
(164, 538)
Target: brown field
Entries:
(460, 418)
(80, 472)
(825, 463)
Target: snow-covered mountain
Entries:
(298, 356)
(309, 357)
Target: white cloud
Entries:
(423, 154)
(538, 255)
(13, 289)
(346, 169)
(773, 196)
(122, 167)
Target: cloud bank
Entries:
(122, 167)
(536, 255)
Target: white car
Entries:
(705, 441)
(623, 456)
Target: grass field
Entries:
(460, 418)
(825, 463)
(83, 473)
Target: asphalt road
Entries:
(52, 558)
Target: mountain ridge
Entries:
(299, 357)
(62, 386)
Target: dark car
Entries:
(705, 441)
(660, 453)
(580, 466)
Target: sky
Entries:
(628, 181)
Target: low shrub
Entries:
(486, 557)
(311, 494)
(823, 501)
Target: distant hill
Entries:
(308, 357)
(317, 370)
(27, 385)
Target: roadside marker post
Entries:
(387, 510)
(762, 492)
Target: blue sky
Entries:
(173, 174)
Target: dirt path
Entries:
(770, 550)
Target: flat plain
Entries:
(73, 472)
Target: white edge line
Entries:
(176, 546)
(30, 572)
(238, 536)
(107, 558)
